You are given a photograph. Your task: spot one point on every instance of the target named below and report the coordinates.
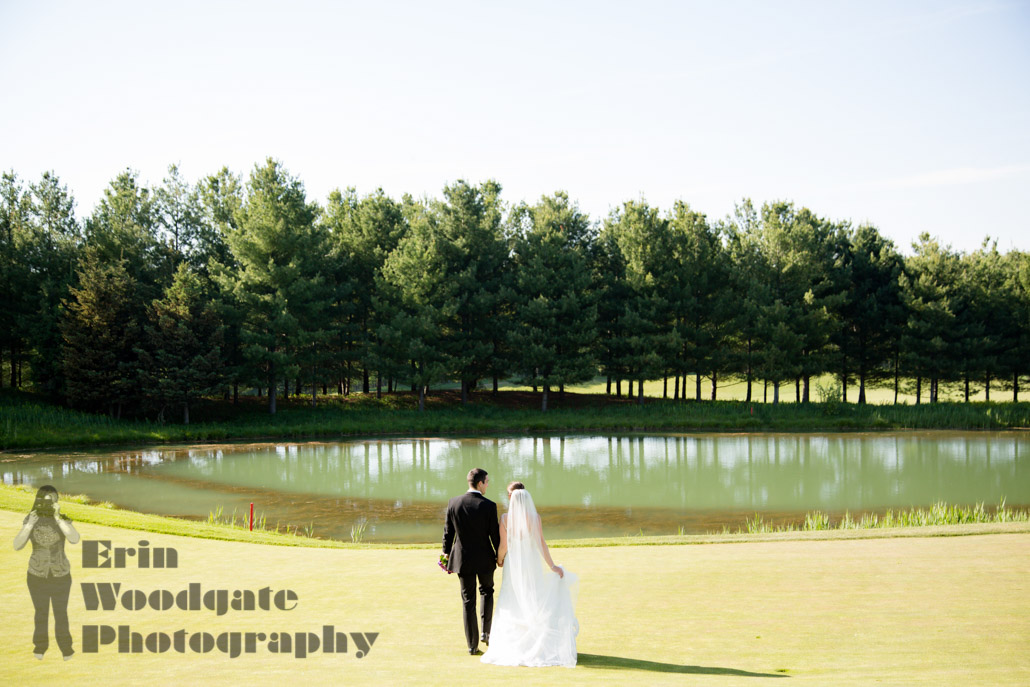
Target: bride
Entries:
(534, 623)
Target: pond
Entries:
(584, 486)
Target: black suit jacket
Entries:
(471, 534)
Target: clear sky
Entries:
(914, 116)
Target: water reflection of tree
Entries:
(679, 472)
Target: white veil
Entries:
(533, 583)
(534, 620)
(525, 558)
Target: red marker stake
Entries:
(251, 516)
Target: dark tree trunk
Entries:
(185, 413)
(421, 398)
(748, 372)
(714, 385)
(364, 381)
(861, 385)
(235, 393)
(967, 387)
(897, 376)
(271, 389)
(765, 391)
(1015, 387)
(697, 385)
(325, 389)
(618, 388)
(496, 385)
(464, 392)
(987, 388)
(676, 388)
(919, 390)
(543, 400)
(665, 387)
(797, 389)
(608, 385)
(296, 387)
(806, 388)
(640, 391)
(413, 373)
(561, 391)
(844, 380)
(379, 384)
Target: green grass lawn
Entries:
(915, 610)
(735, 389)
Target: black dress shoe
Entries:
(474, 652)
(485, 638)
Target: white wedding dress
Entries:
(534, 622)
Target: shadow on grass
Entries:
(597, 661)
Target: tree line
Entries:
(166, 294)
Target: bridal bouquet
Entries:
(443, 563)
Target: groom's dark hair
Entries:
(476, 476)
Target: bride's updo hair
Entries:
(515, 485)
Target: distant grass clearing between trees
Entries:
(29, 422)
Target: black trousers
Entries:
(468, 601)
(47, 591)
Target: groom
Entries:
(471, 536)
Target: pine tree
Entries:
(749, 284)
(51, 257)
(418, 301)
(180, 360)
(15, 273)
(100, 331)
(698, 286)
(279, 279)
(649, 341)
(928, 343)
(555, 314)
(474, 255)
(362, 233)
(871, 313)
(221, 196)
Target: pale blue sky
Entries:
(914, 116)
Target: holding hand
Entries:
(558, 569)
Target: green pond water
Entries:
(584, 486)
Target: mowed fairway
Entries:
(940, 611)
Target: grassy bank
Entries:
(939, 520)
(29, 423)
(933, 611)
